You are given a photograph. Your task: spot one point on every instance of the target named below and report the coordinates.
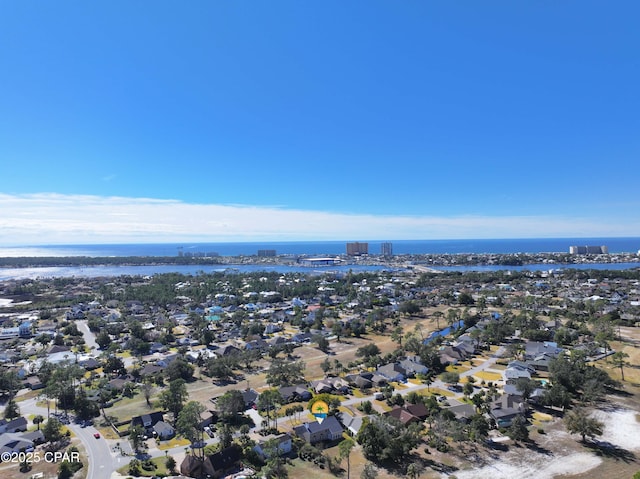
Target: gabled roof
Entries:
(330, 424)
(404, 416)
(463, 411)
(250, 396)
(419, 410)
(151, 418)
(223, 460)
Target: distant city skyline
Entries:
(289, 121)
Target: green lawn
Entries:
(159, 468)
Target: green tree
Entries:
(526, 387)
(414, 470)
(11, 410)
(179, 368)
(285, 373)
(65, 470)
(409, 308)
(219, 368)
(467, 389)
(367, 351)
(136, 437)
(325, 365)
(578, 421)
(52, 430)
(114, 365)
(268, 401)
(189, 419)
(322, 342)
(619, 360)
(369, 471)
(386, 439)
(465, 299)
(173, 398)
(518, 431)
(147, 389)
(170, 464)
(230, 404)
(83, 407)
(450, 377)
(103, 339)
(397, 335)
(9, 383)
(37, 420)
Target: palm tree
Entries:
(37, 420)
(345, 452)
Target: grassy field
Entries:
(160, 469)
(175, 442)
(452, 368)
(487, 376)
(129, 407)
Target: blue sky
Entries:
(162, 121)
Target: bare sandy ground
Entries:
(622, 429)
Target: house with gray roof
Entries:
(164, 430)
(504, 410)
(353, 424)
(313, 432)
(14, 425)
(393, 372)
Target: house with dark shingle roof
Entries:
(295, 393)
(215, 466)
(13, 425)
(313, 432)
(250, 397)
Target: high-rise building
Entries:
(386, 249)
(589, 249)
(266, 252)
(357, 249)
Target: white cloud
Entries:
(50, 218)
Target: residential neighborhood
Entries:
(426, 374)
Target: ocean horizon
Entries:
(317, 248)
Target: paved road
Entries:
(89, 337)
(100, 462)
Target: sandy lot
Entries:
(565, 455)
(621, 429)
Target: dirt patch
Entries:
(559, 453)
(525, 464)
(621, 428)
(556, 454)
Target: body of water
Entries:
(445, 332)
(150, 270)
(499, 246)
